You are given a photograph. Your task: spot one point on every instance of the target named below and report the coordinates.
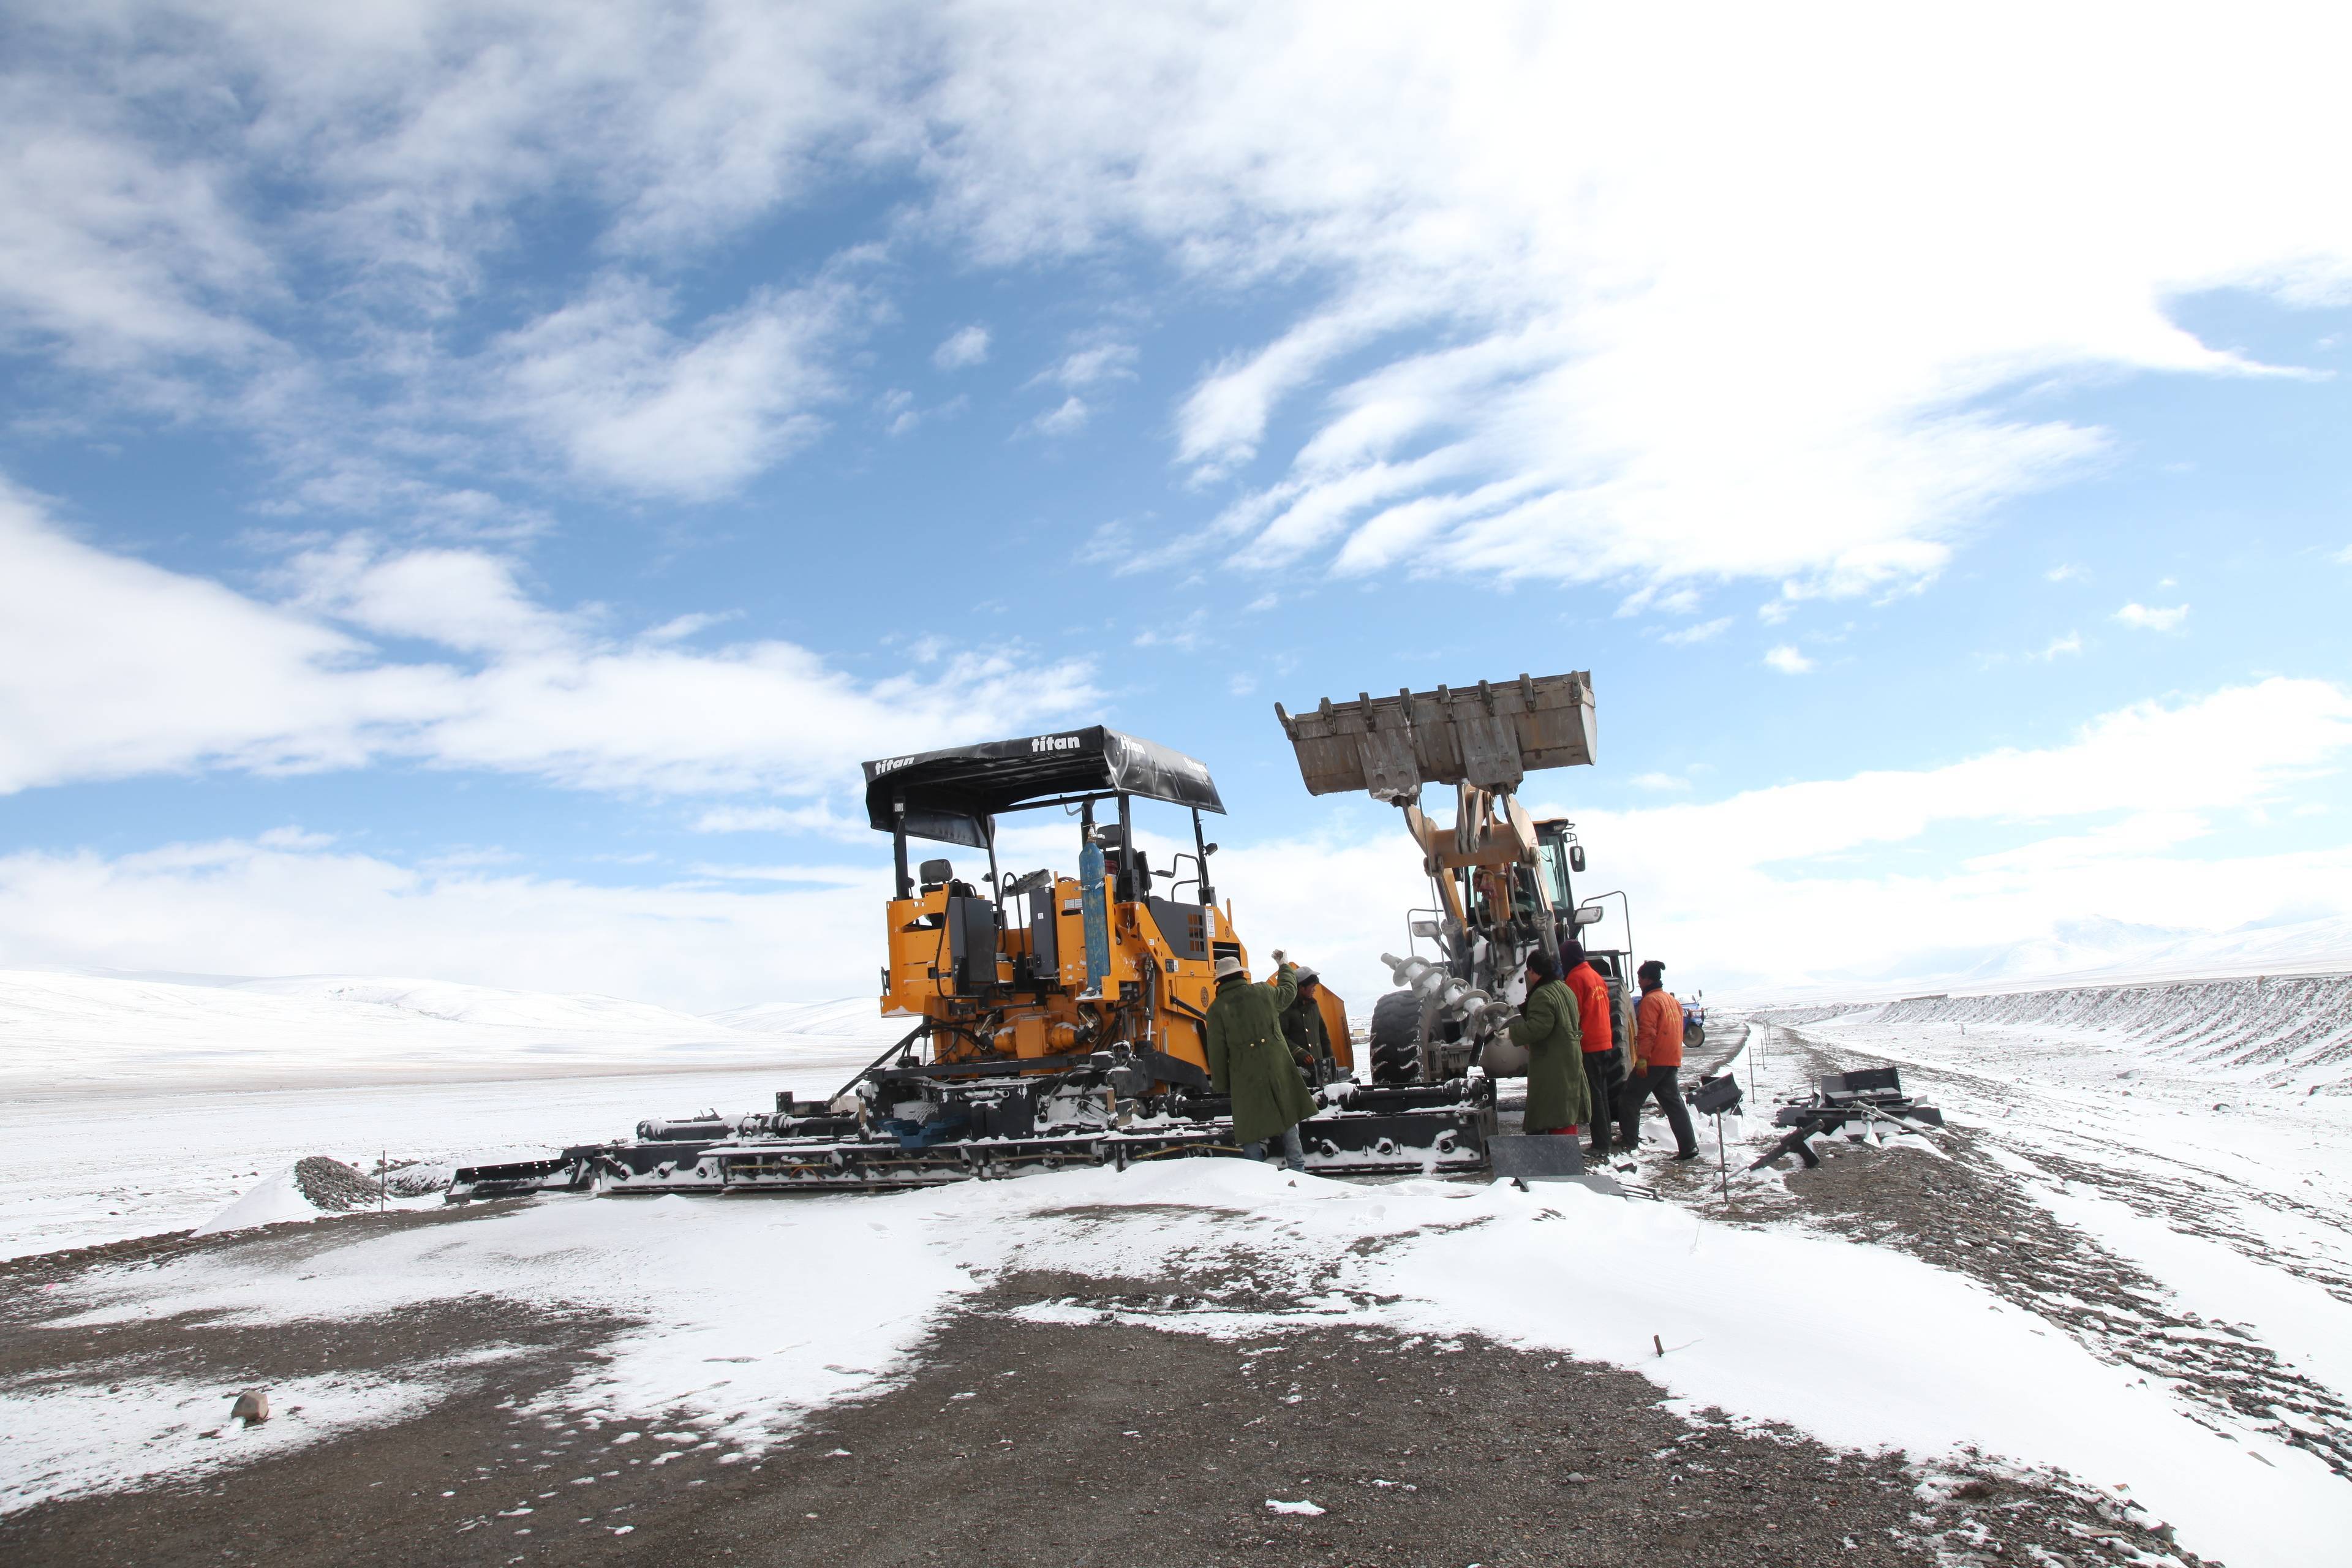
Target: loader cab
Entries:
(1557, 855)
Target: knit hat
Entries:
(1572, 953)
(1653, 972)
(1305, 976)
(1228, 967)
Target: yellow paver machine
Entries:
(1057, 1017)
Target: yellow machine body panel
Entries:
(1004, 1003)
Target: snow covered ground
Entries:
(78, 1172)
(131, 1106)
(1860, 1345)
(2174, 1133)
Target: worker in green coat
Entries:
(1551, 1030)
(1302, 1025)
(1249, 1059)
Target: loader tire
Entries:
(1395, 1038)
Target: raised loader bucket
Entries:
(1489, 735)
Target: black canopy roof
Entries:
(951, 794)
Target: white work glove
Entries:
(1277, 958)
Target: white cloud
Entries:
(1774, 363)
(1841, 877)
(1664, 782)
(2063, 574)
(1084, 367)
(1787, 661)
(271, 906)
(627, 401)
(111, 667)
(1186, 634)
(1575, 297)
(818, 818)
(1705, 631)
(1067, 419)
(2153, 619)
(963, 348)
(122, 259)
(677, 628)
(2071, 643)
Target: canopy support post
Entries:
(899, 846)
(1201, 849)
(1126, 850)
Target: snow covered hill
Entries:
(2279, 1031)
(2080, 953)
(63, 1033)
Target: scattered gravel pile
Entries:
(334, 1187)
(419, 1181)
(2270, 1029)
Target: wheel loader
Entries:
(1502, 882)
(1057, 1017)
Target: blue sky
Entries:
(477, 484)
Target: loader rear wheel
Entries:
(1395, 1037)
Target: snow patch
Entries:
(277, 1201)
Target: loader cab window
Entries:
(1552, 853)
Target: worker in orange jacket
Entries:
(1603, 1072)
(1657, 1064)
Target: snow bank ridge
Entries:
(2272, 1029)
(1797, 1018)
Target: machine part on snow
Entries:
(1716, 1094)
(1501, 882)
(1548, 1157)
(1854, 1102)
(1058, 1020)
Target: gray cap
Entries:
(1228, 965)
